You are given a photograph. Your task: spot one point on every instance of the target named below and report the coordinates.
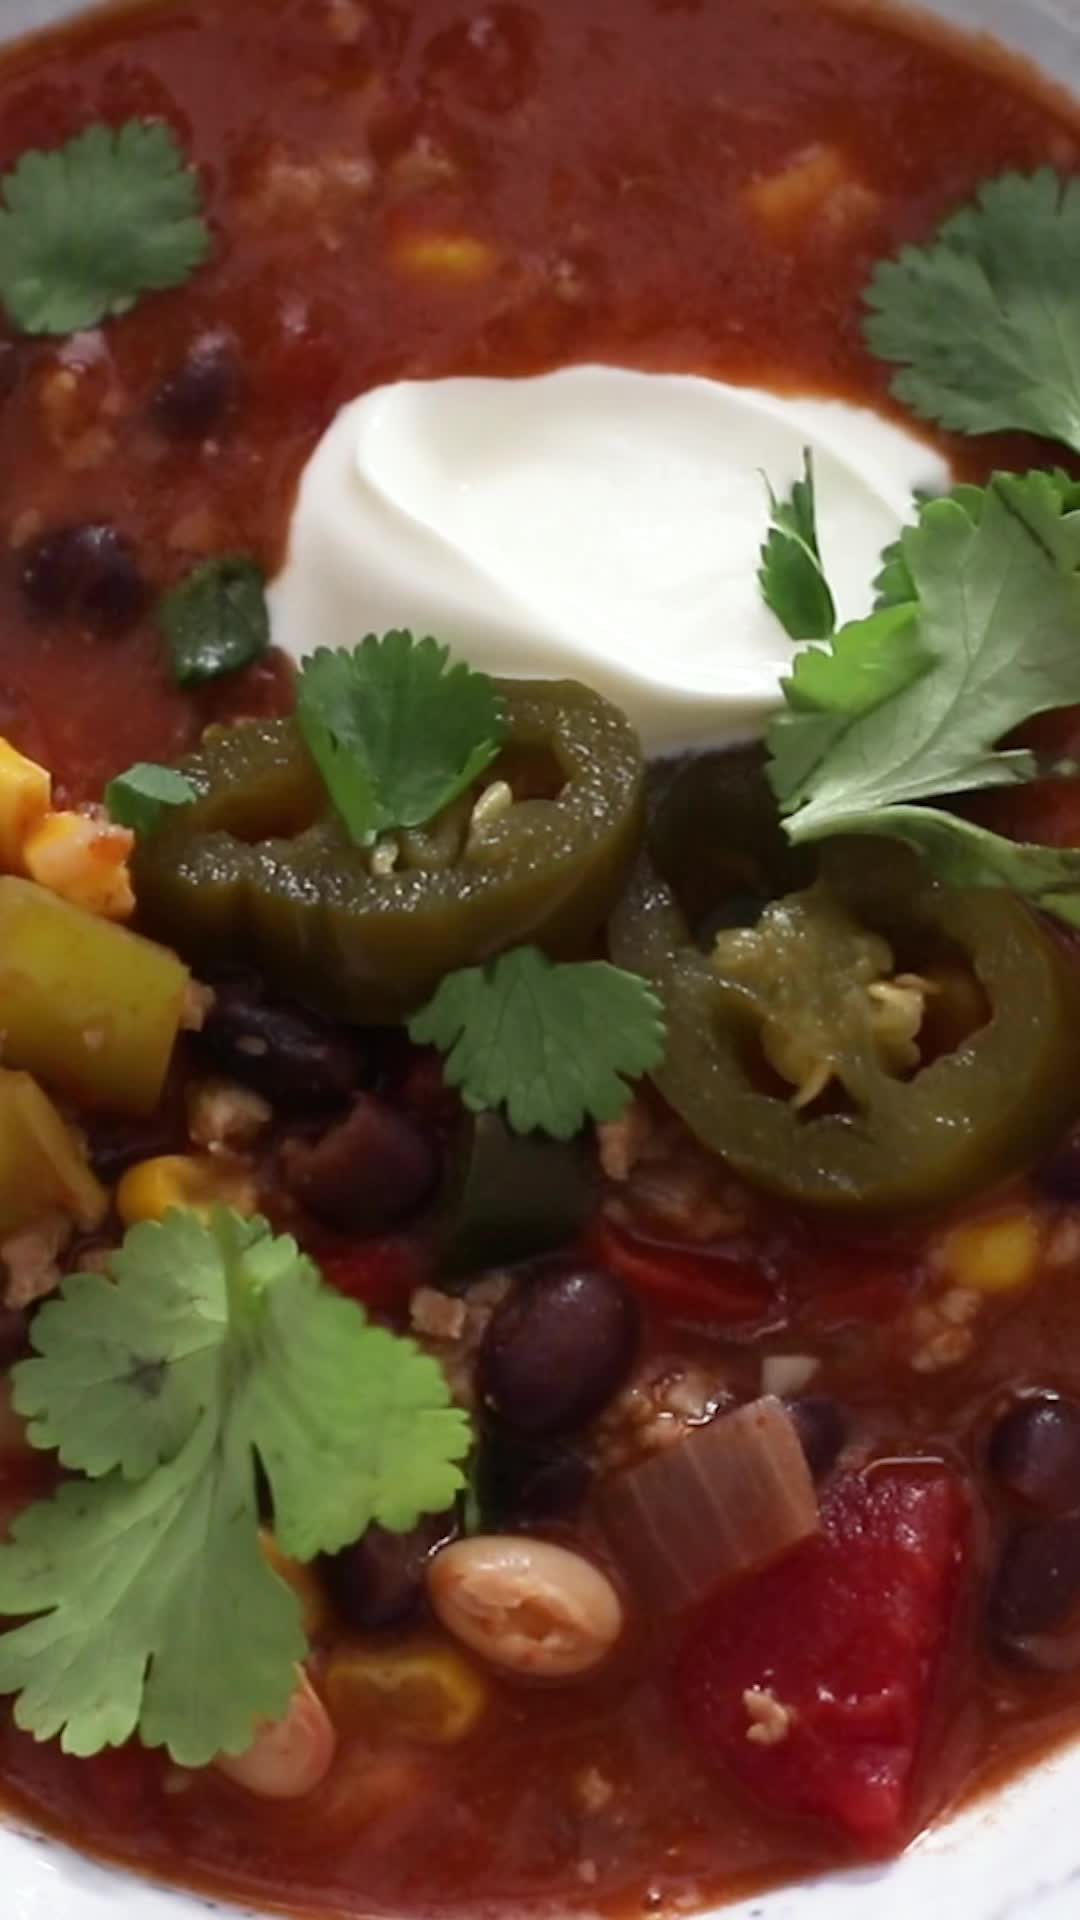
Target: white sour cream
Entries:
(596, 524)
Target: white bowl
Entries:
(1012, 1856)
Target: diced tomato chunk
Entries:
(846, 1636)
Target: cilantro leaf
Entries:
(395, 731)
(867, 662)
(217, 620)
(141, 797)
(986, 320)
(204, 1349)
(552, 1043)
(155, 1610)
(997, 597)
(791, 575)
(965, 855)
(87, 228)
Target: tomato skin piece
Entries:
(849, 1634)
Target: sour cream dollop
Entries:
(595, 524)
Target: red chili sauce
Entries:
(657, 183)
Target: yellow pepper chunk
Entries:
(419, 1692)
(25, 799)
(458, 258)
(197, 1182)
(996, 1255)
(43, 1168)
(84, 861)
(87, 1007)
(305, 1584)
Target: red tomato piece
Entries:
(687, 1283)
(847, 1634)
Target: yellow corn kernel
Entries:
(996, 1255)
(304, 1583)
(195, 1181)
(25, 799)
(85, 861)
(455, 257)
(419, 1692)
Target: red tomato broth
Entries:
(600, 147)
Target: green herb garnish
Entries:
(87, 228)
(986, 320)
(395, 731)
(791, 575)
(987, 636)
(204, 1350)
(145, 794)
(217, 620)
(553, 1044)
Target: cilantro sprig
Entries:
(89, 227)
(555, 1044)
(985, 321)
(206, 1349)
(217, 620)
(978, 630)
(396, 732)
(792, 577)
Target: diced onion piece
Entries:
(732, 1498)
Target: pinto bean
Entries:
(290, 1757)
(529, 1607)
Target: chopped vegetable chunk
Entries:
(89, 1007)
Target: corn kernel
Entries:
(997, 1255)
(454, 257)
(25, 798)
(83, 860)
(416, 1692)
(307, 1588)
(196, 1182)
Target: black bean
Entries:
(1037, 1586)
(380, 1581)
(822, 1429)
(557, 1349)
(197, 397)
(87, 573)
(290, 1056)
(523, 1484)
(369, 1171)
(1035, 1452)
